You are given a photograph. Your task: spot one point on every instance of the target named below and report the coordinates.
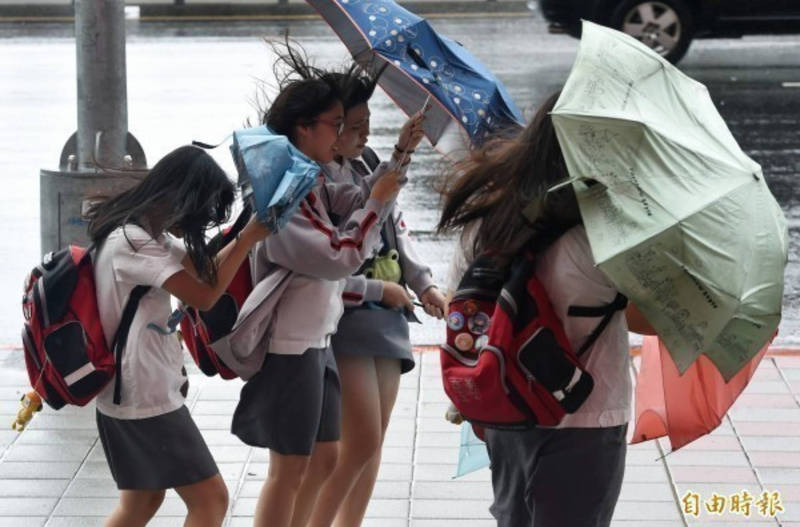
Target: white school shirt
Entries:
(568, 274)
(152, 363)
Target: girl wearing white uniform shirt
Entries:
(150, 441)
(569, 475)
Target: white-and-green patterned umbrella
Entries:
(681, 220)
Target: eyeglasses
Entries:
(339, 125)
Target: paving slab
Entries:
(55, 473)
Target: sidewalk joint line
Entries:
(747, 457)
(232, 496)
(417, 417)
(785, 381)
(239, 487)
(72, 480)
(663, 458)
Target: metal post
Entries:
(101, 158)
(102, 90)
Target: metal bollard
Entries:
(102, 158)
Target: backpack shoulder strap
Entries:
(121, 336)
(370, 158)
(607, 311)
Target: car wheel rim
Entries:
(655, 24)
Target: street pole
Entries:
(102, 158)
(102, 89)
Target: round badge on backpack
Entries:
(455, 321)
(481, 342)
(478, 323)
(464, 341)
(470, 308)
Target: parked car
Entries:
(668, 26)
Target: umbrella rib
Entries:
(421, 87)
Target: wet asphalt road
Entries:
(199, 81)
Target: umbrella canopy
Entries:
(683, 407)
(472, 453)
(279, 175)
(681, 220)
(470, 103)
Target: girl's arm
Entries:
(415, 272)
(192, 291)
(359, 289)
(344, 198)
(312, 246)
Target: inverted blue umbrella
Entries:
(470, 104)
(279, 175)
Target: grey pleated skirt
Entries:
(374, 332)
(291, 404)
(155, 453)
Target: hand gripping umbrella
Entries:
(279, 175)
(680, 219)
(470, 103)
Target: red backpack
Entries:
(66, 354)
(507, 362)
(200, 328)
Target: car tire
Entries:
(667, 26)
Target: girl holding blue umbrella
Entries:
(291, 406)
(371, 345)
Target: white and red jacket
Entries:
(299, 276)
(358, 288)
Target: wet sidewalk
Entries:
(54, 473)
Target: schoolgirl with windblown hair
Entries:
(154, 235)
(569, 475)
(372, 345)
(292, 405)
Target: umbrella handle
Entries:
(566, 182)
(561, 184)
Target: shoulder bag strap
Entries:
(121, 336)
(370, 158)
(607, 312)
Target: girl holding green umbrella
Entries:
(570, 474)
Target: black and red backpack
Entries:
(507, 362)
(66, 354)
(200, 328)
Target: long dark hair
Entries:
(186, 190)
(304, 90)
(505, 178)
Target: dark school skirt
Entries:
(374, 332)
(161, 452)
(292, 403)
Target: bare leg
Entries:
(323, 462)
(207, 502)
(278, 495)
(135, 508)
(361, 434)
(354, 507)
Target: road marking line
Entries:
(794, 84)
